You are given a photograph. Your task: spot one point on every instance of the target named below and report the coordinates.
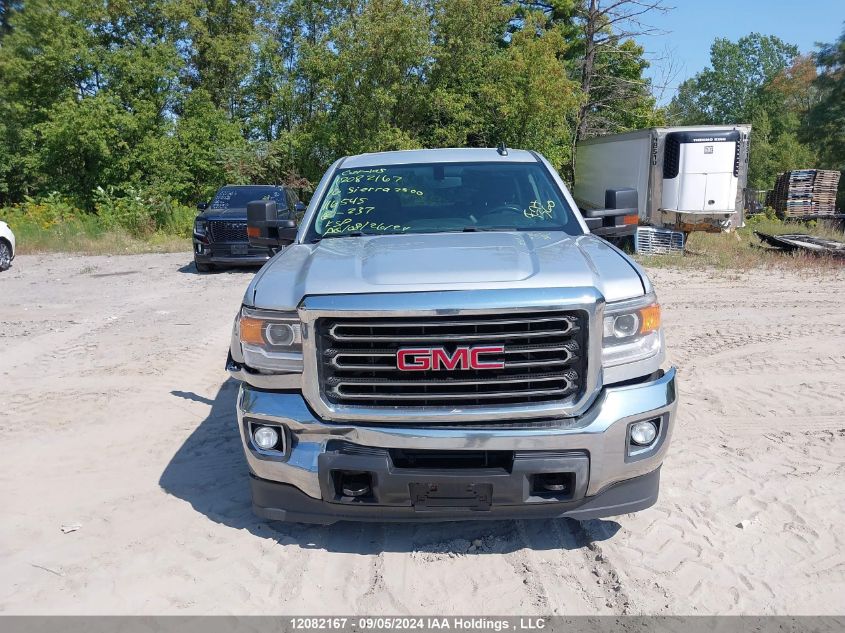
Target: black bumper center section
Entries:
(468, 480)
(282, 502)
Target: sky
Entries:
(692, 26)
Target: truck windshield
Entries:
(239, 197)
(442, 197)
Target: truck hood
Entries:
(235, 213)
(444, 261)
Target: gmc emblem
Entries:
(437, 358)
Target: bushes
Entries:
(768, 216)
(128, 220)
(52, 214)
(141, 214)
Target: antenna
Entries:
(503, 151)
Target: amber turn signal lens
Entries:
(251, 330)
(630, 219)
(253, 231)
(650, 319)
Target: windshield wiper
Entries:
(480, 229)
(331, 235)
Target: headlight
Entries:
(200, 227)
(631, 331)
(271, 341)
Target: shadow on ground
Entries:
(210, 472)
(191, 269)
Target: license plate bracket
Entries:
(433, 496)
(240, 249)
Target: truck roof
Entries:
(663, 131)
(448, 155)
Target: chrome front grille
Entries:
(543, 360)
(228, 231)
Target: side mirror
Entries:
(299, 207)
(202, 206)
(616, 202)
(618, 219)
(264, 228)
(620, 198)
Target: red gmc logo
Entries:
(437, 358)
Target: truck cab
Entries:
(444, 339)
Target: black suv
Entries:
(220, 229)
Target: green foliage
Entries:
(774, 152)
(726, 92)
(766, 219)
(55, 218)
(620, 80)
(825, 124)
(141, 214)
(535, 103)
(53, 210)
(467, 35)
(132, 111)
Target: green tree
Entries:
(467, 37)
(370, 69)
(773, 151)
(760, 80)
(86, 86)
(202, 141)
(729, 89)
(620, 99)
(825, 122)
(218, 38)
(534, 103)
(604, 59)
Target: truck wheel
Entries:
(203, 268)
(5, 255)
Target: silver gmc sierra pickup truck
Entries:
(442, 338)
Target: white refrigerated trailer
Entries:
(687, 178)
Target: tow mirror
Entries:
(620, 199)
(265, 229)
(618, 203)
(619, 217)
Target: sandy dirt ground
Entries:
(116, 417)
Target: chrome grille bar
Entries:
(452, 396)
(449, 383)
(452, 323)
(453, 337)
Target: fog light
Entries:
(643, 433)
(266, 437)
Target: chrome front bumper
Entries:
(601, 434)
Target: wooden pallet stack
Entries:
(804, 192)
